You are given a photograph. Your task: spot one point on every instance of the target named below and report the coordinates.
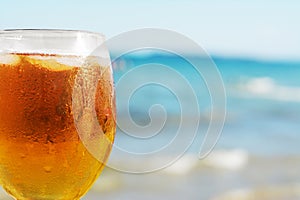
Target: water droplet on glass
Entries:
(47, 169)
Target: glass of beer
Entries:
(57, 112)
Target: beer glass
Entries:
(57, 112)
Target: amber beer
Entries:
(50, 110)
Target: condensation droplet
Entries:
(66, 165)
(47, 169)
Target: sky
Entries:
(256, 29)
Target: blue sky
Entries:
(259, 29)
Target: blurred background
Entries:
(256, 47)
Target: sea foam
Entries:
(227, 159)
(267, 88)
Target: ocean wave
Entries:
(235, 159)
(267, 88)
(183, 166)
(232, 160)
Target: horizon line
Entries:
(213, 56)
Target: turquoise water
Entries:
(263, 102)
(266, 109)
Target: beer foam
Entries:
(9, 59)
(71, 60)
(49, 62)
(64, 60)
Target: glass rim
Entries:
(12, 33)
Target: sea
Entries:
(260, 103)
(225, 129)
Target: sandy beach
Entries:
(257, 178)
